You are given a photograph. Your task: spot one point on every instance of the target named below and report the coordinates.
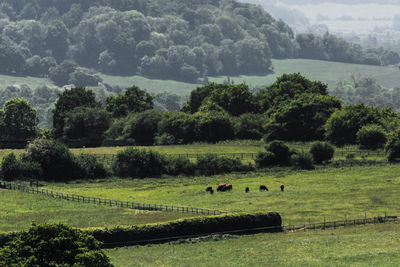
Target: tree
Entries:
(132, 100)
(60, 74)
(53, 245)
(81, 78)
(179, 126)
(371, 136)
(87, 124)
(67, 101)
(301, 119)
(19, 120)
(213, 126)
(322, 151)
(141, 128)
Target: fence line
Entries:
(108, 202)
(290, 229)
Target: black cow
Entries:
(211, 191)
(208, 189)
(247, 189)
(282, 187)
(221, 187)
(263, 188)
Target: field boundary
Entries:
(109, 202)
(288, 229)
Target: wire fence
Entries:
(108, 202)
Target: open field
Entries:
(370, 245)
(333, 193)
(19, 210)
(312, 69)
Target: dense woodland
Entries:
(69, 41)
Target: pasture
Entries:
(309, 196)
(19, 210)
(370, 245)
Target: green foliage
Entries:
(133, 162)
(18, 121)
(67, 101)
(392, 147)
(51, 245)
(178, 165)
(87, 124)
(211, 164)
(304, 161)
(343, 125)
(265, 159)
(88, 167)
(132, 100)
(81, 78)
(371, 136)
(10, 168)
(213, 126)
(191, 226)
(56, 161)
(281, 152)
(322, 152)
(177, 128)
(249, 126)
(141, 128)
(301, 119)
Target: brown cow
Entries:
(220, 187)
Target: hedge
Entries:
(189, 226)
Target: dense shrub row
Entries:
(190, 226)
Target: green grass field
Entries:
(371, 245)
(309, 195)
(325, 71)
(19, 210)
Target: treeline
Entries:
(293, 108)
(182, 40)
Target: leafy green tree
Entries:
(60, 74)
(19, 120)
(371, 136)
(392, 147)
(288, 87)
(141, 128)
(213, 126)
(53, 245)
(322, 151)
(301, 119)
(81, 78)
(132, 100)
(87, 124)
(180, 126)
(343, 125)
(67, 101)
(250, 126)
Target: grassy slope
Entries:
(309, 195)
(325, 71)
(356, 246)
(19, 209)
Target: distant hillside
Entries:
(70, 41)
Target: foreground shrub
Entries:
(88, 167)
(211, 164)
(191, 226)
(392, 147)
(53, 245)
(54, 158)
(371, 136)
(303, 161)
(321, 152)
(133, 162)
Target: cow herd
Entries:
(228, 187)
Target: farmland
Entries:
(370, 245)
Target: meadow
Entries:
(19, 210)
(325, 71)
(310, 196)
(370, 245)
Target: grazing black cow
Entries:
(221, 187)
(263, 188)
(211, 191)
(247, 189)
(282, 187)
(228, 187)
(208, 189)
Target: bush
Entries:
(53, 245)
(54, 158)
(392, 147)
(179, 165)
(322, 151)
(211, 164)
(191, 226)
(371, 136)
(265, 159)
(133, 162)
(303, 161)
(280, 151)
(89, 167)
